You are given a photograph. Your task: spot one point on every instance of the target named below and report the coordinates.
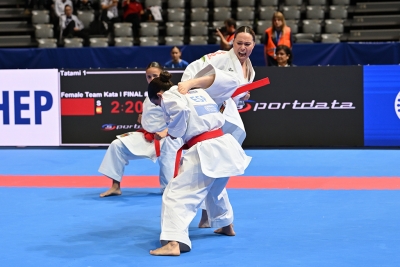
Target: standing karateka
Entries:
(195, 117)
(236, 61)
(142, 144)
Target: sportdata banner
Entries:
(306, 107)
(29, 108)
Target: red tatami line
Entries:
(245, 182)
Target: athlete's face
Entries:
(243, 46)
(152, 73)
(282, 58)
(157, 101)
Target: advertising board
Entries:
(29, 108)
(382, 105)
(306, 107)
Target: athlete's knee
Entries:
(116, 142)
(116, 145)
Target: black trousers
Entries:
(135, 20)
(69, 32)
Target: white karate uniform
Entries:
(227, 61)
(206, 166)
(133, 146)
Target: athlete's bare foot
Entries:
(170, 249)
(204, 220)
(115, 190)
(227, 230)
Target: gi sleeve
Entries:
(177, 113)
(193, 68)
(224, 85)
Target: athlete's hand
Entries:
(161, 135)
(184, 87)
(240, 97)
(139, 119)
(246, 97)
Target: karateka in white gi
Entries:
(133, 145)
(212, 157)
(237, 61)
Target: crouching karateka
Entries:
(148, 143)
(211, 158)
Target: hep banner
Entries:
(29, 108)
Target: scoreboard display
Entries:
(97, 105)
(293, 111)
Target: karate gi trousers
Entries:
(118, 156)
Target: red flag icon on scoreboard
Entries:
(77, 107)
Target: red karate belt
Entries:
(246, 88)
(150, 137)
(192, 142)
(251, 86)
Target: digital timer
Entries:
(128, 106)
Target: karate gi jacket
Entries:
(226, 61)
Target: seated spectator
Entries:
(84, 5)
(110, 10)
(110, 13)
(283, 56)
(154, 13)
(133, 10)
(57, 9)
(227, 34)
(71, 26)
(176, 62)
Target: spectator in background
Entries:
(58, 9)
(133, 10)
(283, 56)
(110, 13)
(227, 34)
(176, 61)
(277, 34)
(84, 5)
(155, 13)
(28, 7)
(30, 4)
(71, 26)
